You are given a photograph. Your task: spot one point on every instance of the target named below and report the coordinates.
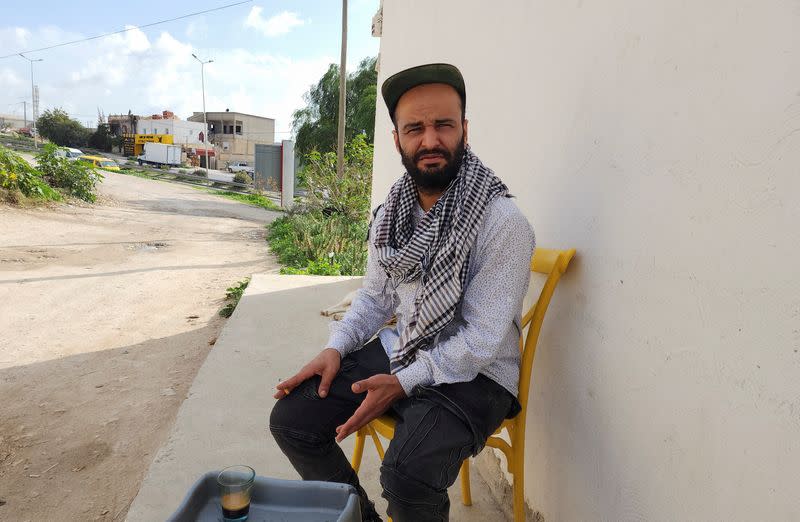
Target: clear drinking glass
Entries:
(235, 486)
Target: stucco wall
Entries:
(662, 140)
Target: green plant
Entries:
(322, 266)
(256, 200)
(102, 139)
(315, 124)
(57, 126)
(76, 178)
(200, 172)
(348, 194)
(301, 239)
(233, 295)
(243, 177)
(17, 177)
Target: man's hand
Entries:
(326, 365)
(382, 390)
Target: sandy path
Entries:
(106, 314)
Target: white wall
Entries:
(184, 132)
(662, 140)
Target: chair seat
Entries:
(385, 424)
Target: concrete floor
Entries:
(276, 328)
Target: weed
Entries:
(251, 199)
(233, 295)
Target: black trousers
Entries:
(437, 428)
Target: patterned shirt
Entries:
(484, 335)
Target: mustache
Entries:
(438, 150)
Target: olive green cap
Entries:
(396, 85)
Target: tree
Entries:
(58, 127)
(101, 139)
(315, 125)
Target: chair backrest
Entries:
(553, 263)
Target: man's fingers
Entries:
(366, 384)
(325, 383)
(280, 394)
(292, 382)
(353, 424)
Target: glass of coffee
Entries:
(235, 486)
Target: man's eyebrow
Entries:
(416, 124)
(411, 125)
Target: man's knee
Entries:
(402, 487)
(290, 420)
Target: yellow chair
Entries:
(553, 263)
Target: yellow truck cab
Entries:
(100, 162)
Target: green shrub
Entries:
(322, 266)
(76, 178)
(200, 172)
(233, 296)
(310, 239)
(348, 194)
(18, 177)
(243, 177)
(328, 234)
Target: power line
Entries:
(126, 30)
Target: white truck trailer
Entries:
(160, 154)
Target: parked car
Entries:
(69, 153)
(240, 166)
(100, 162)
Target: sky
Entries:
(266, 53)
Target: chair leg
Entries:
(519, 495)
(466, 492)
(358, 451)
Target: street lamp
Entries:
(33, 99)
(203, 83)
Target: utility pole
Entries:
(203, 83)
(342, 92)
(33, 99)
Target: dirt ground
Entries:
(107, 311)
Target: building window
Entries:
(238, 129)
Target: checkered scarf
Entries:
(440, 243)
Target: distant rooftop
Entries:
(215, 113)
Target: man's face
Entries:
(430, 135)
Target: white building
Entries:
(662, 140)
(184, 132)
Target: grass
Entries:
(137, 173)
(257, 200)
(233, 296)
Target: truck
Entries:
(160, 154)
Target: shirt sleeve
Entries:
(491, 303)
(369, 311)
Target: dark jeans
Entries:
(437, 428)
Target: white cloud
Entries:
(9, 78)
(279, 24)
(148, 73)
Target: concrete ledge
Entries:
(276, 329)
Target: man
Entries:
(449, 256)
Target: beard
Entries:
(437, 179)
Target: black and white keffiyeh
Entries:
(436, 250)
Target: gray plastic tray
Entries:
(274, 500)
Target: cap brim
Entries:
(398, 84)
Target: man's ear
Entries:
(396, 140)
(466, 131)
